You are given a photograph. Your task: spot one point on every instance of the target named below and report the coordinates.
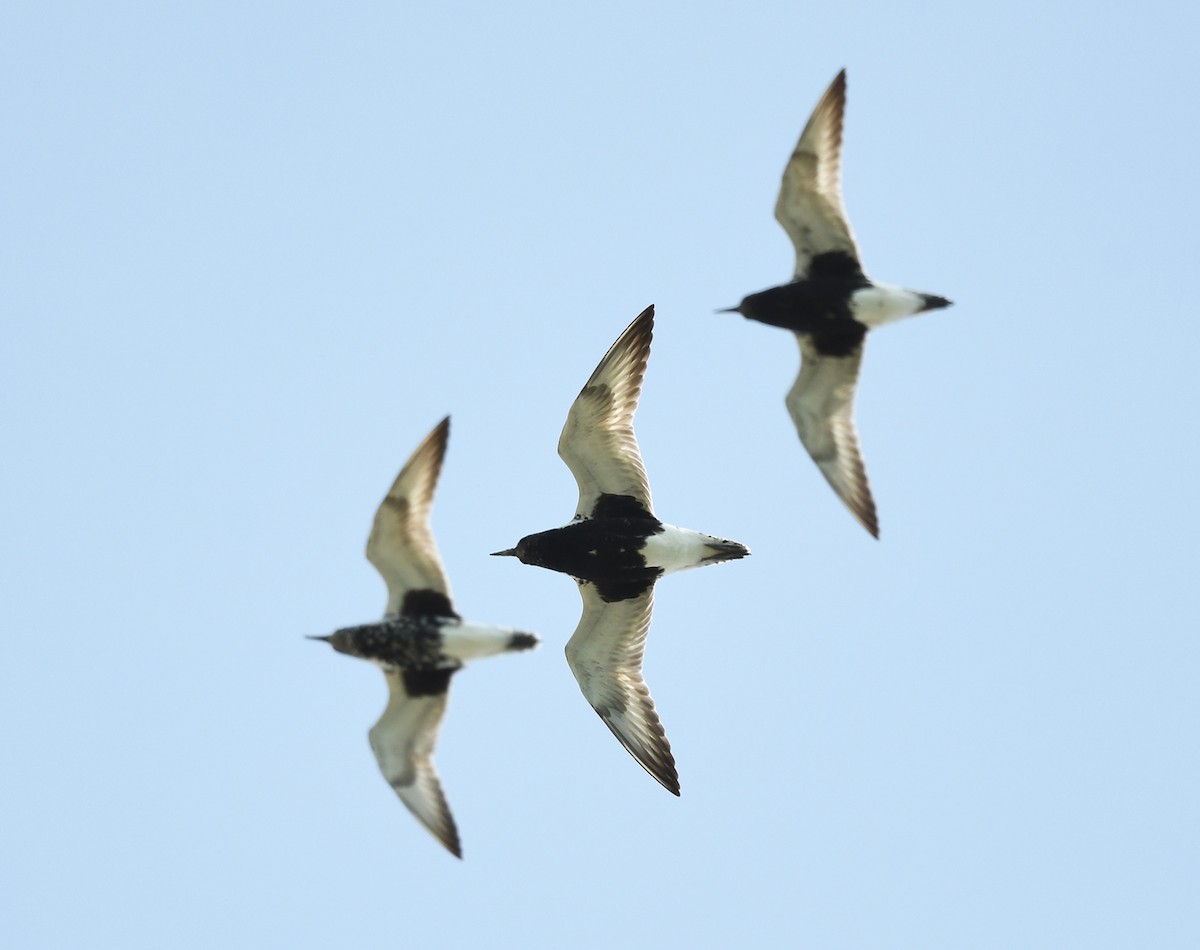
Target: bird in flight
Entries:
(420, 642)
(829, 304)
(616, 549)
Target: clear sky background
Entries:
(252, 253)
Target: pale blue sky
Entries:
(251, 253)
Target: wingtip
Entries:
(441, 436)
(868, 520)
(448, 839)
(644, 321)
(448, 835)
(664, 773)
(444, 829)
(864, 514)
(631, 350)
(837, 88)
(670, 781)
(657, 761)
(642, 327)
(668, 776)
(834, 93)
(864, 511)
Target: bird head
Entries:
(339, 640)
(750, 307)
(523, 552)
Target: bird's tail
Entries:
(468, 641)
(519, 642)
(932, 302)
(722, 550)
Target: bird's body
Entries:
(420, 642)
(426, 642)
(622, 548)
(616, 549)
(830, 304)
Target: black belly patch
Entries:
(605, 549)
(836, 265)
(623, 506)
(427, 682)
(838, 339)
(427, 603)
(616, 587)
(817, 304)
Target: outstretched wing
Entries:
(605, 654)
(821, 403)
(401, 544)
(597, 442)
(810, 204)
(403, 742)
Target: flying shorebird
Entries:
(830, 304)
(616, 549)
(420, 642)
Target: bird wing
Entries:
(821, 403)
(597, 441)
(403, 741)
(810, 204)
(401, 545)
(605, 654)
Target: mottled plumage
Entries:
(420, 642)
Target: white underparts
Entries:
(469, 641)
(677, 549)
(884, 303)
